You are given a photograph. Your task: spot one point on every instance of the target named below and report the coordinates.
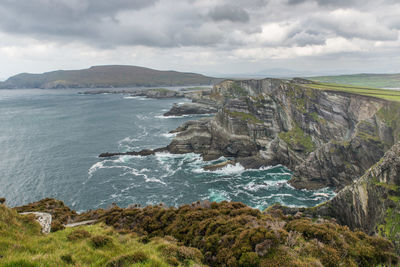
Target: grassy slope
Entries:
(364, 80)
(22, 244)
(386, 94)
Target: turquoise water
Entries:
(50, 140)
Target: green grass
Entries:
(363, 80)
(296, 138)
(22, 244)
(244, 116)
(386, 94)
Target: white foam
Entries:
(170, 117)
(226, 170)
(154, 180)
(255, 187)
(169, 135)
(131, 97)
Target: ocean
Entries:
(50, 141)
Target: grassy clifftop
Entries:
(22, 245)
(363, 80)
(216, 234)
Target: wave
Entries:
(171, 117)
(169, 135)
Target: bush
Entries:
(126, 260)
(249, 259)
(100, 241)
(78, 234)
(67, 259)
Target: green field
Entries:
(387, 94)
(363, 80)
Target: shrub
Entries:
(126, 260)
(78, 234)
(249, 259)
(67, 259)
(100, 241)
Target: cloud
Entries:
(229, 13)
(162, 32)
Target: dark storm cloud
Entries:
(63, 17)
(230, 13)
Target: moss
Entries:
(298, 140)
(244, 116)
(238, 90)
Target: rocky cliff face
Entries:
(327, 138)
(371, 203)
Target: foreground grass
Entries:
(387, 94)
(22, 244)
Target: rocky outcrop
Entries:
(371, 203)
(149, 93)
(190, 108)
(43, 218)
(158, 93)
(144, 152)
(326, 138)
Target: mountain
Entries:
(363, 79)
(105, 77)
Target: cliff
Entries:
(105, 77)
(326, 137)
(371, 203)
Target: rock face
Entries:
(327, 138)
(371, 203)
(190, 108)
(44, 219)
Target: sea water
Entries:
(50, 141)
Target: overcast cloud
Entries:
(208, 36)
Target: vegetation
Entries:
(22, 244)
(298, 140)
(61, 214)
(363, 80)
(244, 116)
(387, 94)
(232, 234)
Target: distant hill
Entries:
(106, 76)
(368, 80)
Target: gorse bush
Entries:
(232, 234)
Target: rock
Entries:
(149, 93)
(43, 218)
(2, 200)
(326, 138)
(158, 93)
(144, 152)
(372, 202)
(218, 165)
(88, 222)
(189, 109)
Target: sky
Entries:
(214, 37)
